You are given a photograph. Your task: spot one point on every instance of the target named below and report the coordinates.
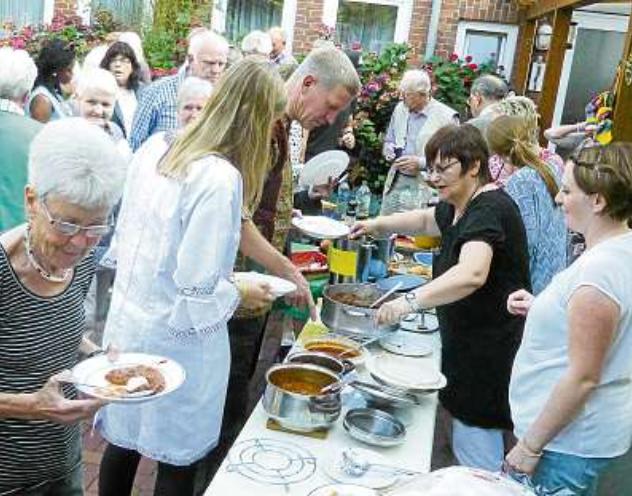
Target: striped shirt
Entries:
(157, 109)
(39, 337)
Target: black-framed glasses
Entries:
(440, 170)
(70, 229)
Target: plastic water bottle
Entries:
(363, 197)
(344, 194)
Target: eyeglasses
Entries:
(440, 170)
(121, 60)
(70, 229)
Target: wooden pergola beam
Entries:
(622, 124)
(544, 7)
(554, 63)
(524, 56)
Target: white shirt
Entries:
(127, 102)
(603, 427)
(175, 246)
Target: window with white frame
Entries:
(243, 16)
(488, 42)
(22, 12)
(372, 23)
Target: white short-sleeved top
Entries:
(603, 427)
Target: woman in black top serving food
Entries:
(483, 258)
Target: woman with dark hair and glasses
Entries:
(571, 385)
(483, 259)
(75, 177)
(121, 61)
(54, 74)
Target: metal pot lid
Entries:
(386, 393)
(408, 282)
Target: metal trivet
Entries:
(271, 461)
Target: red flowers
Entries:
(472, 66)
(468, 59)
(454, 57)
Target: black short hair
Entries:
(54, 56)
(124, 50)
(465, 143)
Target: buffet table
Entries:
(270, 462)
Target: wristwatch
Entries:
(411, 299)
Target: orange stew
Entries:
(334, 349)
(301, 387)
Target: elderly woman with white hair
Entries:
(17, 74)
(96, 95)
(415, 119)
(192, 96)
(75, 178)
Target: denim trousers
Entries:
(560, 474)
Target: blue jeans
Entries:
(559, 474)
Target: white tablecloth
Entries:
(415, 453)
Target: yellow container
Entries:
(427, 242)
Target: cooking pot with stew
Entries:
(346, 309)
(293, 396)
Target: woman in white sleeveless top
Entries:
(54, 71)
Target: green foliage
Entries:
(380, 75)
(453, 77)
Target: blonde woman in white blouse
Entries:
(177, 237)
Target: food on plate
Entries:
(135, 379)
(409, 267)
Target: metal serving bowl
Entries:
(307, 410)
(374, 427)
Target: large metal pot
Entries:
(297, 411)
(338, 366)
(352, 319)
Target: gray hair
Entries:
(329, 66)
(490, 87)
(203, 37)
(278, 31)
(193, 86)
(17, 73)
(78, 162)
(96, 79)
(416, 80)
(256, 42)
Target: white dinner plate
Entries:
(406, 344)
(90, 376)
(323, 166)
(402, 372)
(321, 227)
(278, 286)
(372, 478)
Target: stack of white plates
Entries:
(411, 374)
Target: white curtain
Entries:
(371, 25)
(244, 16)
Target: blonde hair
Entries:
(237, 123)
(521, 106)
(509, 136)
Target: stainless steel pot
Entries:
(296, 411)
(351, 319)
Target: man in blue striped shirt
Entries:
(157, 110)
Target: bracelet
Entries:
(528, 451)
(411, 299)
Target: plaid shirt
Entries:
(157, 109)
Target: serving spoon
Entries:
(356, 465)
(386, 295)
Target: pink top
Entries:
(500, 173)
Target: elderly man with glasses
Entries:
(415, 119)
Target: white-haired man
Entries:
(17, 74)
(279, 54)
(413, 122)
(206, 58)
(486, 91)
(322, 86)
(256, 43)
